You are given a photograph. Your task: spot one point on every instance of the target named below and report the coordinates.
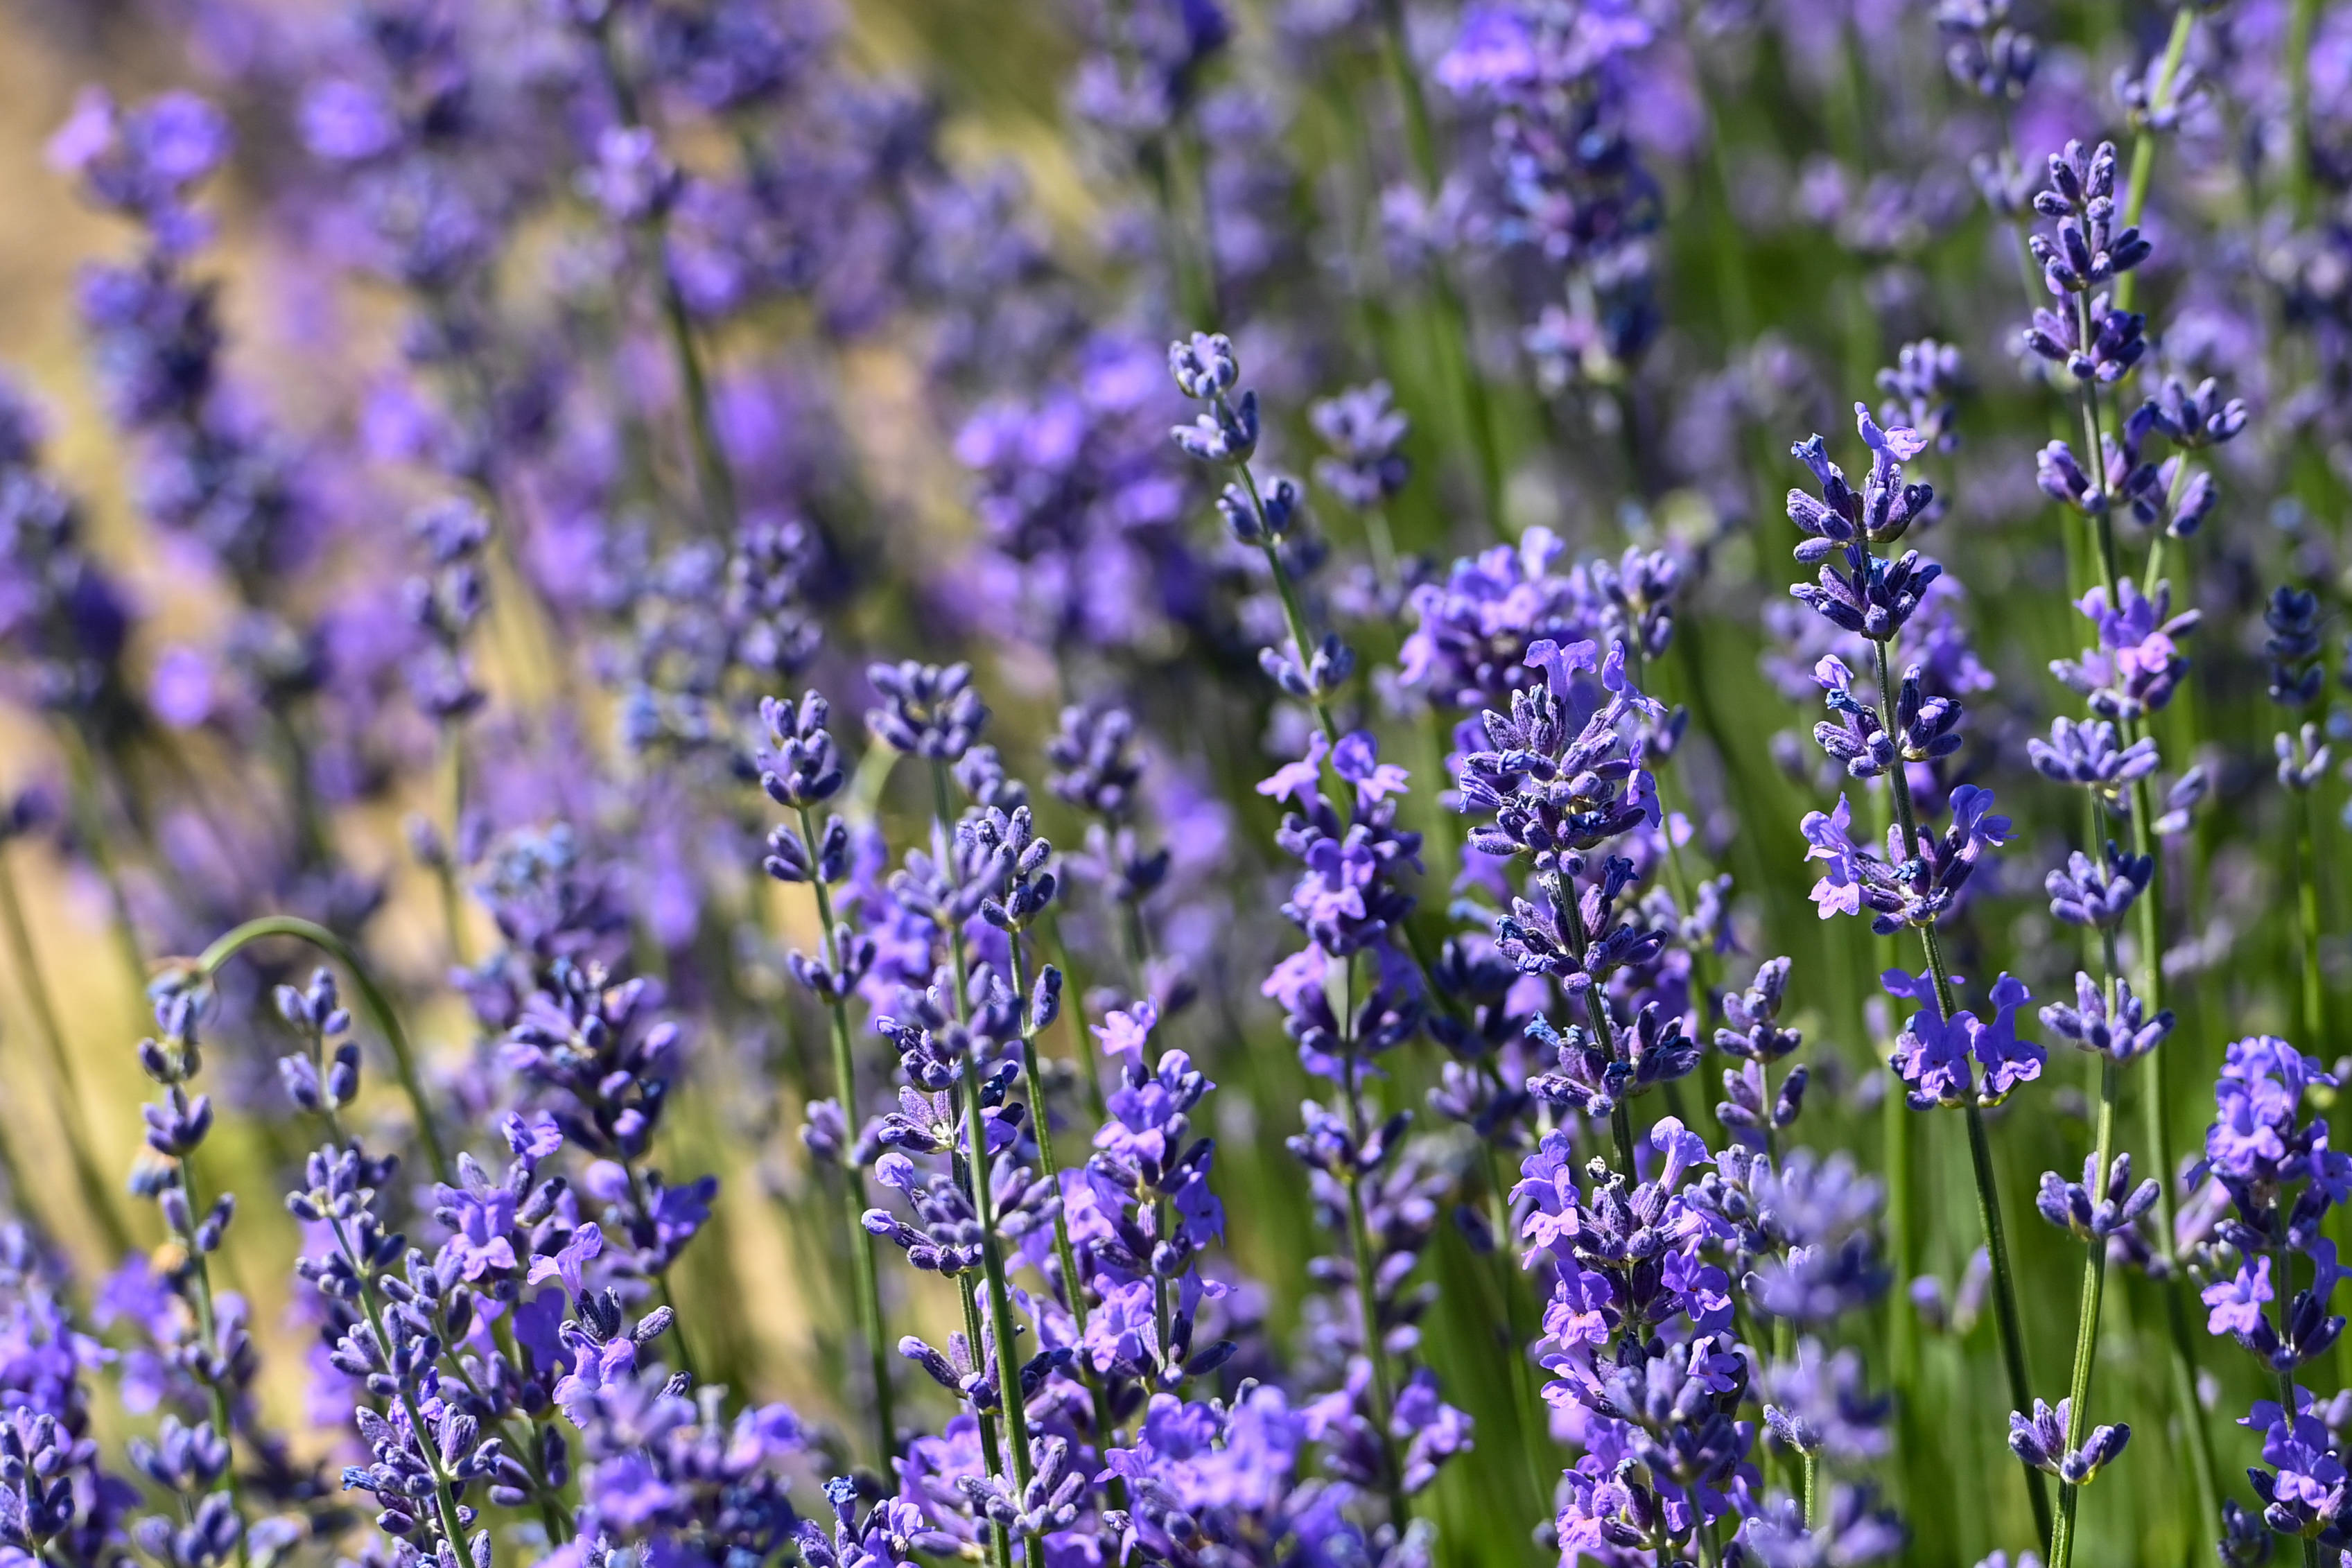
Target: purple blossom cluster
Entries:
(1275, 488)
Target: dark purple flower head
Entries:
(1365, 434)
(1873, 597)
(1983, 51)
(2304, 1490)
(2099, 894)
(1559, 773)
(2087, 755)
(1205, 370)
(2303, 757)
(1637, 594)
(589, 1040)
(1577, 935)
(1818, 1404)
(1595, 1077)
(1094, 763)
(2122, 1032)
(927, 711)
(2084, 248)
(2117, 341)
(1926, 728)
(2180, 801)
(1350, 892)
(2093, 1210)
(1753, 1017)
(1468, 648)
(2292, 617)
(799, 766)
(1881, 512)
(2040, 1440)
(1923, 387)
(2195, 416)
(1561, 85)
(2255, 1137)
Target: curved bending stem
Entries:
(371, 1000)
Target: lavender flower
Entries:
(2099, 894)
(1899, 890)
(2293, 647)
(2138, 665)
(2088, 755)
(2110, 1022)
(2041, 1441)
(1949, 1061)
(1365, 434)
(1986, 54)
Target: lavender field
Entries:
(1174, 783)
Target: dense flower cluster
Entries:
(1057, 728)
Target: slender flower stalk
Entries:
(2087, 1315)
(2307, 906)
(2155, 117)
(2302, 20)
(801, 771)
(973, 1164)
(1923, 875)
(2006, 1317)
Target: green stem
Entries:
(2300, 26)
(871, 1322)
(453, 902)
(2192, 1410)
(1525, 1395)
(2103, 525)
(2306, 891)
(371, 1002)
(1073, 1289)
(1046, 1159)
(1073, 1013)
(1902, 1336)
(1293, 616)
(1000, 1300)
(2154, 574)
(1570, 912)
(2148, 915)
(2283, 1289)
(990, 1454)
(200, 1294)
(2004, 1299)
(558, 1519)
(90, 822)
(1359, 1246)
(974, 1170)
(2143, 164)
(2086, 1322)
